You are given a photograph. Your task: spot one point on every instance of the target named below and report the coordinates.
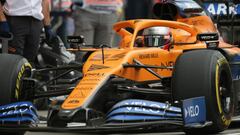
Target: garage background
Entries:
(226, 15)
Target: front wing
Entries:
(125, 117)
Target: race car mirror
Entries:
(211, 39)
(207, 37)
(75, 39)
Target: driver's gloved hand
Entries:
(4, 27)
(50, 35)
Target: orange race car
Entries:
(172, 72)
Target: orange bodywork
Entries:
(97, 72)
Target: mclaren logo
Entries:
(96, 67)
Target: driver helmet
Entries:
(157, 36)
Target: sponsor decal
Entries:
(146, 106)
(73, 101)
(141, 109)
(12, 109)
(82, 91)
(94, 75)
(108, 57)
(222, 8)
(75, 39)
(80, 94)
(96, 67)
(191, 111)
(148, 56)
(18, 113)
(117, 57)
(90, 80)
(167, 64)
(194, 110)
(98, 57)
(16, 108)
(134, 109)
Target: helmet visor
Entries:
(156, 40)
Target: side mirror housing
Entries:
(75, 41)
(211, 39)
(208, 37)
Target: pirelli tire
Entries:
(206, 73)
(12, 70)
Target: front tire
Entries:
(12, 70)
(206, 73)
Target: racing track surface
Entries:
(233, 130)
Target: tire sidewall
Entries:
(14, 68)
(219, 65)
(22, 70)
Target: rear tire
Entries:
(206, 73)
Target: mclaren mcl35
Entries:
(174, 72)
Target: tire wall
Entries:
(20, 74)
(12, 71)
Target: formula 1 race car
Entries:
(172, 73)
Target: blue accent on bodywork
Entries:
(17, 120)
(146, 103)
(18, 105)
(194, 110)
(235, 68)
(20, 113)
(221, 8)
(17, 113)
(143, 110)
(138, 118)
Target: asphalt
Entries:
(234, 129)
(227, 132)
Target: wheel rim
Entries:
(26, 73)
(225, 93)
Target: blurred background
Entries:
(73, 17)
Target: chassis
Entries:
(132, 88)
